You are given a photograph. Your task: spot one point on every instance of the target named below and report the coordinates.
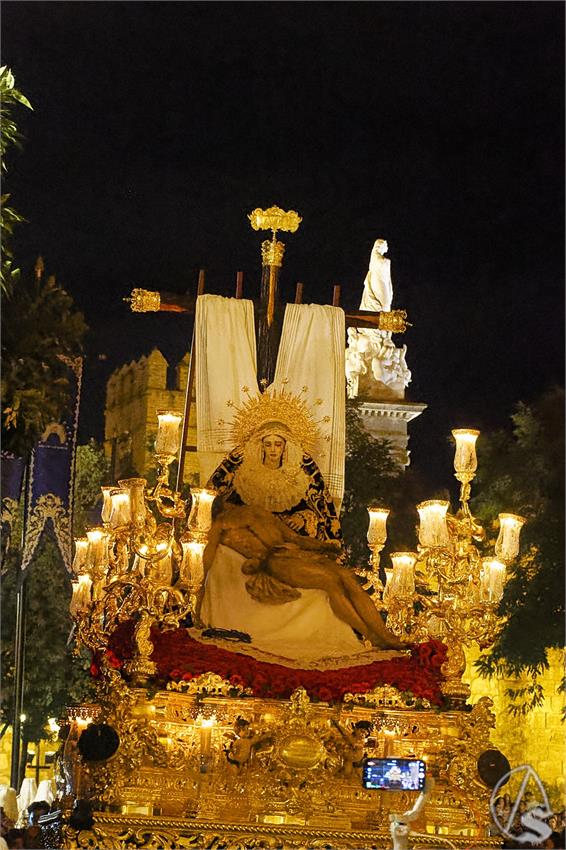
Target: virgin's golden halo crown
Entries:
(272, 408)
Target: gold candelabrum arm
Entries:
(135, 567)
(450, 588)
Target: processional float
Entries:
(229, 751)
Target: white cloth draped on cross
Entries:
(310, 363)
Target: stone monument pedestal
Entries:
(388, 420)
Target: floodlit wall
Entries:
(133, 395)
(537, 738)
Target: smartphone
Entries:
(392, 774)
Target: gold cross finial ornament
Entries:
(274, 219)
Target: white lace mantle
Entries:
(275, 490)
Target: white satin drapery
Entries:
(311, 356)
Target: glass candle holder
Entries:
(97, 552)
(507, 543)
(120, 507)
(200, 517)
(161, 571)
(79, 560)
(403, 578)
(205, 735)
(388, 581)
(167, 440)
(465, 459)
(433, 531)
(135, 487)
(192, 570)
(377, 531)
(73, 604)
(106, 504)
(492, 579)
(81, 595)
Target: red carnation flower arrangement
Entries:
(181, 658)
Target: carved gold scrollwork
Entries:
(394, 321)
(272, 253)
(144, 301)
(275, 219)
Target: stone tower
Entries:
(134, 393)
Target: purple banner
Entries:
(51, 476)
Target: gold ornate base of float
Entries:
(168, 833)
(201, 769)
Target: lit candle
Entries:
(200, 517)
(433, 530)
(97, 553)
(81, 595)
(388, 736)
(167, 440)
(81, 549)
(120, 510)
(205, 735)
(388, 582)
(162, 570)
(465, 459)
(507, 544)
(492, 579)
(106, 504)
(377, 531)
(135, 488)
(74, 603)
(192, 571)
(403, 578)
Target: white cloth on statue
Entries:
(311, 355)
(304, 630)
(27, 793)
(226, 361)
(9, 802)
(44, 792)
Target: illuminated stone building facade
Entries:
(134, 393)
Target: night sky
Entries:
(439, 126)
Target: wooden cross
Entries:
(268, 308)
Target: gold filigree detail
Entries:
(127, 832)
(385, 696)
(47, 507)
(272, 253)
(85, 711)
(275, 219)
(278, 406)
(394, 321)
(296, 763)
(209, 684)
(144, 301)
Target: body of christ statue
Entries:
(272, 563)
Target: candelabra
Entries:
(141, 564)
(450, 587)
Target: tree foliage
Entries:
(523, 473)
(40, 325)
(53, 676)
(10, 136)
(91, 472)
(40, 322)
(373, 477)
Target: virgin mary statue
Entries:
(273, 569)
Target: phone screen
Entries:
(391, 774)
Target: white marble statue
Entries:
(378, 289)
(373, 352)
